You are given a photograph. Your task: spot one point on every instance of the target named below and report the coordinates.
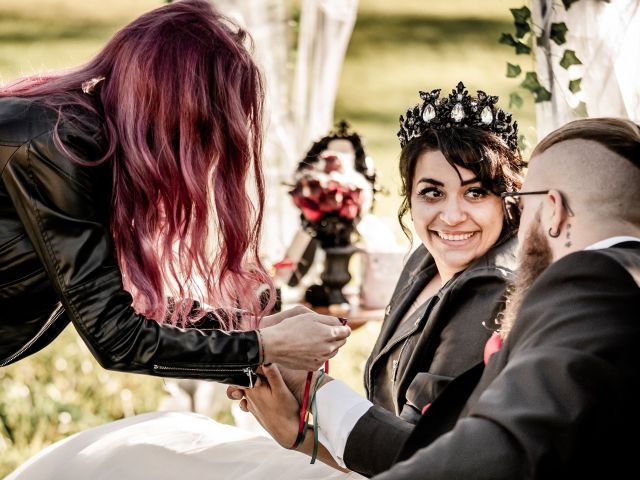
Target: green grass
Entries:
(397, 48)
(62, 390)
(44, 35)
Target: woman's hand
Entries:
(304, 342)
(271, 320)
(273, 405)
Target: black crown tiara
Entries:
(458, 110)
(341, 130)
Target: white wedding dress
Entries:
(170, 446)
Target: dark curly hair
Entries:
(498, 167)
(360, 162)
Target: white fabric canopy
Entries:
(606, 38)
(300, 94)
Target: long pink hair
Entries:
(182, 110)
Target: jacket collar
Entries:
(421, 268)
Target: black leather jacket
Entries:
(58, 264)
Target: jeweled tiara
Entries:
(459, 110)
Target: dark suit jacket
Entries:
(558, 401)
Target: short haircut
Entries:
(620, 135)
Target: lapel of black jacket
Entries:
(401, 302)
(410, 284)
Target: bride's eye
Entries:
(476, 193)
(430, 193)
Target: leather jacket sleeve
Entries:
(64, 209)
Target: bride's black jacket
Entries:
(413, 360)
(58, 263)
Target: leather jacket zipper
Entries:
(246, 370)
(52, 318)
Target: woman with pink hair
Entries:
(117, 180)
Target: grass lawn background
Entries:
(397, 48)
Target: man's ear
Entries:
(558, 213)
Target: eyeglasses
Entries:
(513, 209)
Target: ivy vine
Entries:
(522, 39)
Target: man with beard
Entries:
(558, 399)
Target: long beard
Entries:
(534, 257)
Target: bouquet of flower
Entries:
(331, 197)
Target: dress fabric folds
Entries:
(170, 445)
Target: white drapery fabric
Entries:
(301, 84)
(606, 37)
(170, 445)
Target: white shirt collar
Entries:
(609, 242)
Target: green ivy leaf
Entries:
(540, 41)
(567, 3)
(522, 48)
(523, 143)
(541, 95)
(569, 58)
(513, 70)
(522, 18)
(558, 33)
(515, 100)
(507, 39)
(522, 29)
(581, 110)
(521, 15)
(574, 85)
(531, 82)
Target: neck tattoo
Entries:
(568, 242)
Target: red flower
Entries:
(351, 204)
(310, 210)
(319, 192)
